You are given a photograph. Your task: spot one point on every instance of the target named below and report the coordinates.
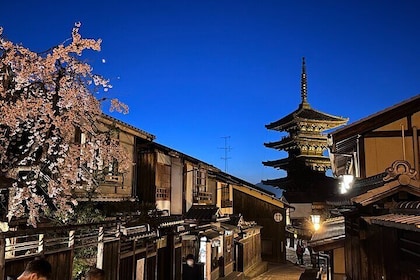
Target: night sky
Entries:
(196, 73)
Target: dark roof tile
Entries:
(202, 213)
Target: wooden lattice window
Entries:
(163, 182)
(200, 188)
(225, 192)
(162, 194)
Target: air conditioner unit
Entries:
(114, 179)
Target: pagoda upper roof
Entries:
(305, 113)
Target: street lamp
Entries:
(316, 221)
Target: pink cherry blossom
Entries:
(47, 101)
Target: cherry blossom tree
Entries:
(46, 100)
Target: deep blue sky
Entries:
(196, 71)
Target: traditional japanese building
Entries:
(306, 185)
(380, 206)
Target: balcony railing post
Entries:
(100, 255)
(40, 243)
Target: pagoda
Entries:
(306, 143)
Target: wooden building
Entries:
(306, 185)
(367, 147)
(380, 204)
(165, 206)
(329, 240)
(381, 221)
(203, 196)
(267, 211)
(118, 187)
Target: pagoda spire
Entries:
(304, 85)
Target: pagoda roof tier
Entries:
(310, 178)
(305, 117)
(316, 162)
(299, 141)
(281, 183)
(312, 189)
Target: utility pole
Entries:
(227, 149)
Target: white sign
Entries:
(278, 217)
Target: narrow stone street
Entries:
(288, 271)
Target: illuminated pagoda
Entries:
(306, 166)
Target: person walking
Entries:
(299, 252)
(37, 269)
(190, 270)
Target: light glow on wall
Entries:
(346, 181)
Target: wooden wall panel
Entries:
(262, 212)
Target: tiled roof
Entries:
(400, 221)
(165, 221)
(409, 205)
(297, 141)
(202, 213)
(305, 113)
(397, 178)
(388, 189)
(407, 208)
(211, 234)
(331, 231)
(285, 162)
(235, 219)
(145, 134)
(227, 178)
(378, 119)
(359, 187)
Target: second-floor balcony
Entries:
(203, 198)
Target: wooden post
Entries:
(71, 238)
(100, 255)
(40, 243)
(71, 246)
(2, 257)
(416, 151)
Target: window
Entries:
(225, 196)
(225, 192)
(91, 162)
(163, 182)
(201, 178)
(200, 181)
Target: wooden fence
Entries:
(118, 253)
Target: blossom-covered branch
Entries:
(46, 100)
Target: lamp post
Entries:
(316, 221)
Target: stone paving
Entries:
(288, 271)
